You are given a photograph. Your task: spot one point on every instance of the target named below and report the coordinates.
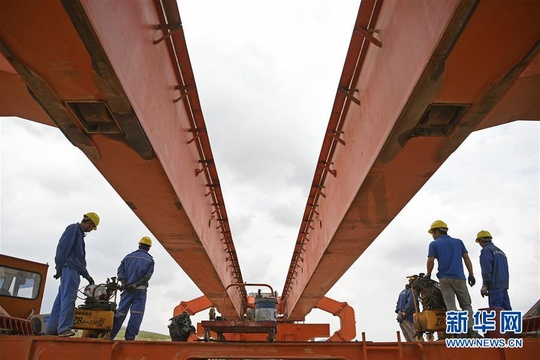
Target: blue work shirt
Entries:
(136, 268)
(70, 251)
(405, 304)
(449, 253)
(494, 266)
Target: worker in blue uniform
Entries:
(134, 272)
(405, 309)
(450, 254)
(70, 264)
(495, 275)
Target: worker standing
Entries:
(495, 276)
(449, 251)
(70, 264)
(405, 310)
(134, 272)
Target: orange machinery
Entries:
(285, 331)
(22, 283)
(418, 78)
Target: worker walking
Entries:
(134, 272)
(449, 253)
(405, 309)
(495, 276)
(70, 264)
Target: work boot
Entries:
(66, 333)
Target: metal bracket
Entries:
(174, 27)
(184, 90)
(366, 34)
(327, 167)
(196, 133)
(319, 190)
(216, 205)
(335, 135)
(221, 226)
(212, 186)
(309, 221)
(205, 164)
(350, 94)
(313, 209)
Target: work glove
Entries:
(471, 280)
(131, 287)
(90, 280)
(58, 274)
(484, 290)
(399, 317)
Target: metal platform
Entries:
(239, 326)
(50, 347)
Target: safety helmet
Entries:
(437, 224)
(483, 235)
(94, 217)
(145, 240)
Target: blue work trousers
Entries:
(499, 298)
(63, 310)
(133, 301)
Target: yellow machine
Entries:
(95, 317)
(98, 322)
(432, 318)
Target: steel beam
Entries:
(445, 69)
(115, 78)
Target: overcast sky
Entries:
(267, 75)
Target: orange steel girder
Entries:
(115, 78)
(284, 331)
(419, 77)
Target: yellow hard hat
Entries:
(94, 217)
(436, 225)
(146, 241)
(483, 234)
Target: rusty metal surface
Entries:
(15, 326)
(46, 347)
(457, 59)
(15, 100)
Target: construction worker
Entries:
(134, 272)
(70, 264)
(405, 309)
(495, 277)
(449, 251)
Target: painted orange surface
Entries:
(81, 61)
(29, 347)
(439, 75)
(20, 307)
